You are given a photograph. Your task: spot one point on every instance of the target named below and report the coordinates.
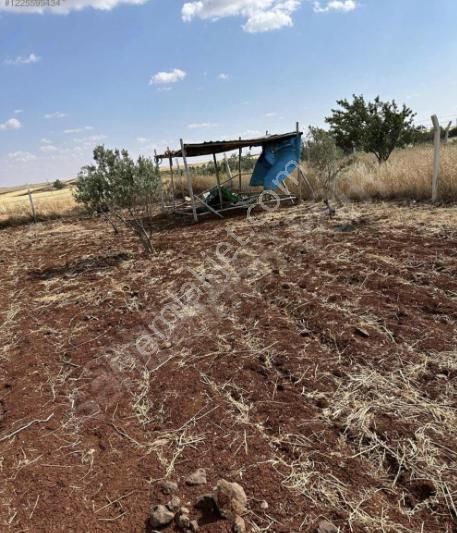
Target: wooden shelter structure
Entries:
(196, 204)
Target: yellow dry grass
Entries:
(406, 176)
(48, 202)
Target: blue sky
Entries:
(141, 74)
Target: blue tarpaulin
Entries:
(276, 162)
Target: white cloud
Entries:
(17, 111)
(142, 140)
(57, 114)
(23, 60)
(335, 5)
(45, 141)
(48, 148)
(223, 76)
(11, 124)
(72, 5)
(78, 130)
(167, 78)
(89, 140)
(271, 115)
(21, 157)
(260, 15)
(200, 125)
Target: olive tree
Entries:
(121, 189)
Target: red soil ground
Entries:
(317, 369)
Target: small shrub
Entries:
(120, 189)
(325, 161)
(58, 185)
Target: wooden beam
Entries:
(436, 157)
(162, 201)
(209, 207)
(218, 179)
(229, 172)
(189, 181)
(170, 159)
(240, 152)
(299, 174)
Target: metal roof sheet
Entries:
(217, 147)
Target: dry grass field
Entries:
(406, 176)
(49, 203)
(317, 369)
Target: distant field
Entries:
(48, 202)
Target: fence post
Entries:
(31, 204)
(436, 157)
(162, 201)
(299, 175)
(446, 133)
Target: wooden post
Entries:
(229, 172)
(218, 179)
(162, 203)
(299, 176)
(31, 204)
(240, 151)
(170, 159)
(436, 157)
(189, 181)
(446, 133)
(180, 176)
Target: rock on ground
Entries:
(325, 526)
(160, 516)
(197, 478)
(230, 499)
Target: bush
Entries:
(325, 161)
(58, 184)
(121, 190)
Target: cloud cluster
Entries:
(335, 5)
(23, 60)
(57, 114)
(260, 15)
(167, 78)
(199, 125)
(21, 157)
(11, 124)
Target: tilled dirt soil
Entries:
(311, 360)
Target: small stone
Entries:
(239, 525)
(174, 504)
(325, 526)
(184, 510)
(197, 478)
(183, 521)
(194, 526)
(168, 487)
(264, 505)
(230, 498)
(160, 516)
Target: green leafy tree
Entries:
(120, 189)
(376, 127)
(58, 184)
